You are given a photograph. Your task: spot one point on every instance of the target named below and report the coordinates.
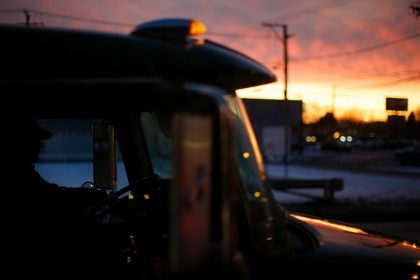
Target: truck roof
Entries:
(39, 54)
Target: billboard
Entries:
(396, 120)
(396, 104)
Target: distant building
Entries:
(72, 141)
(74, 135)
(277, 125)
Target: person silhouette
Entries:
(43, 221)
(55, 204)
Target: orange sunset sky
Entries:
(360, 51)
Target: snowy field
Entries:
(357, 186)
(74, 174)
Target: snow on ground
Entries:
(74, 174)
(357, 186)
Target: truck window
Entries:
(67, 158)
(156, 127)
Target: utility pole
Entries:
(28, 22)
(286, 60)
(27, 18)
(283, 39)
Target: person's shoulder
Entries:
(38, 181)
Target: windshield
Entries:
(248, 157)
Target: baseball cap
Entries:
(33, 128)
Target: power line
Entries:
(42, 13)
(357, 51)
(395, 82)
(120, 24)
(11, 11)
(386, 84)
(313, 9)
(237, 35)
(364, 76)
(26, 13)
(105, 22)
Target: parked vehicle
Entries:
(409, 155)
(336, 146)
(197, 202)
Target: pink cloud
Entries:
(353, 25)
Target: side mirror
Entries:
(104, 156)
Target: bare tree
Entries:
(417, 113)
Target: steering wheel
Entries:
(144, 185)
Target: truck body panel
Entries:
(189, 154)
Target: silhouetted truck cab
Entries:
(172, 146)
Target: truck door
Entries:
(191, 198)
(203, 197)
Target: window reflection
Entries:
(156, 127)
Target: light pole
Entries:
(283, 39)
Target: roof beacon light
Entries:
(171, 29)
(197, 28)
